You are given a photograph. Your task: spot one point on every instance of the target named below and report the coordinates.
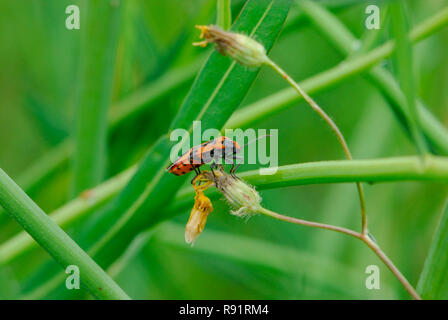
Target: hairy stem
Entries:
(339, 171)
(363, 237)
(309, 223)
(349, 67)
(333, 127)
(375, 248)
(344, 41)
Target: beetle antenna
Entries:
(261, 137)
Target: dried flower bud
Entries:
(198, 217)
(243, 49)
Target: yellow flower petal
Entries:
(198, 217)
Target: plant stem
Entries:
(363, 237)
(375, 248)
(68, 213)
(98, 49)
(337, 171)
(224, 14)
(55, 241)
(403, 59)
(119, 112)
(378, 170)
(333, 127)
(344, 41)
(276, 102)
(344, 70)
(432, 282)
(309, 223)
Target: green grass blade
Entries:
(325, 20)
(142, 98)
(55, 241)
(434, 130)
(337, 171)
(217, 92)
(404, 62)
(212, 99)
(123, 110)
(46, 167)
(376, 170)
(98, 51)
(425, 28)
(215, 84)
(293, 262)
(52, 125)
(433, 282)
(69, 213)
(342, 38)
(224, 14)
(340, 199)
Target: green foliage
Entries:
(345, 41)
(54, 240)
(433, 279)
(224, 14)
(97, 56)
(109, 112)
(404, 61)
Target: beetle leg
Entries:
(212, 167)
(235, 167)
(197, 170)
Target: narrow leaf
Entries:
(433, 282)
(54, 240)
(216, 93)
(403, 57)
(98, 51)
(224, 14)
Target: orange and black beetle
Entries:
(219, 148)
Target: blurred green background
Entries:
(232, 259)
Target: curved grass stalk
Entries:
(333, 80)
(55, 241)
(98, 52)
(341, 171)
(220, 245)
(333, 127)
(126, 108)
(245, 201)
(352, 66)
(432, 282)
(213, 98)
(224, 14)
(70, 212)
(57, 157)
(364, 237)
(344, 41)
